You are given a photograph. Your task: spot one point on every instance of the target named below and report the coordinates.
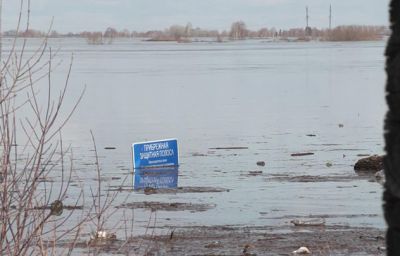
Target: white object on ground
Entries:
(302, 250)
(308, 222)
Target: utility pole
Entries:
(308, 30)
(307, 16)
(330, 17)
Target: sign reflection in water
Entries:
(156, 178)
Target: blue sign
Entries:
(156, 178)
(152, 154)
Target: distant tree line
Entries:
(238, 31)
(178, 33)
(341, 33)
(357, 33)
(106, 37)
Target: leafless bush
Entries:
(31, 150)
(93, 37)
(98, 37)
(238, 31)
(102, 205)
(39, 215)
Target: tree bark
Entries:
(392, 134)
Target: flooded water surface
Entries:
(231, 105)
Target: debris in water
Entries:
(329, 164)
(311, 222)
(341, 125)
(172, 234)
(54, 204)
(255, 173)
(110, 148)
(311, 135)
(261, 163)
(216, 244)
(302, 250)
(221, 148)
(150, 190)
(380, 177)
(56, 208)
(373, 238)
(372, 163)
(246, 249)
(102, 236)
(173, 190)
(160, 206)
(198, 154)
(303, 154)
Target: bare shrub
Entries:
(32, 151)
(94, 38)
(40, 212)
(238, 31)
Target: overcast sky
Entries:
(79, 15)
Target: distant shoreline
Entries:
(207, 39)
(238, 31)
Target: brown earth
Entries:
(227, 240)
(161, 206)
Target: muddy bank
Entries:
(320, 216)
(228, 240)
(161, 206)
(171, 190)
(261, 241)
(317, 178)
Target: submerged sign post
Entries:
(155, 154)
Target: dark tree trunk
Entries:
(392, 133)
